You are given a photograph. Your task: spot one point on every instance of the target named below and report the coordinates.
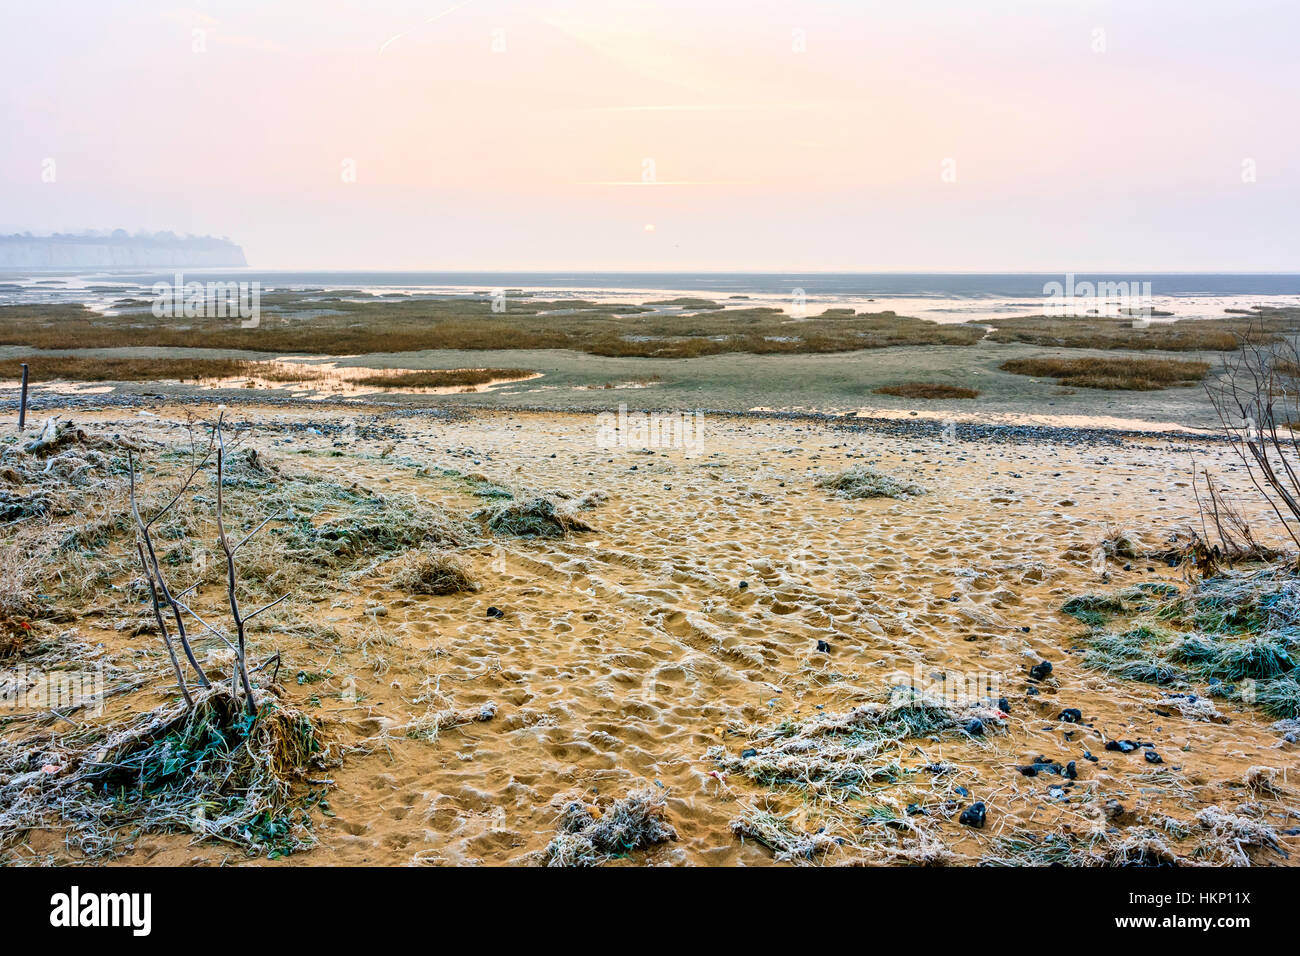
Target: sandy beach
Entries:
(721, 593)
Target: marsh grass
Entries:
(443, 378)
(50, 368)
(380, 324)
(927, 390)
(1183, 335)
(1111, 373)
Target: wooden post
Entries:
(22, 402)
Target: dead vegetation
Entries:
(863, 482)
(927, 391)
(847, 766)
(1234, 632)
(433, 572)
(535, 517)
(1111, 373)
(589, 835)
(195, 545)
(208, 768)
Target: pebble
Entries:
(973, 816)
(1071, 715)
(1041, 670)
(495, 611)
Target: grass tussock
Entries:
(431, 724)
(1111, 373)
(863, 482)
(536, 517)
(214, 771)
(1237, 634)
(589, 836)
(433, 572)
(927, 391)
(370, 525)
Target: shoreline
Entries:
(970, 429)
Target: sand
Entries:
(625, 654)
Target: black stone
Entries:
(973, 816)
(1041, 670)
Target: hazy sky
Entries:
(923, 135)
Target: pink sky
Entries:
(1081, 135)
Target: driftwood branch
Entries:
(171, 609)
